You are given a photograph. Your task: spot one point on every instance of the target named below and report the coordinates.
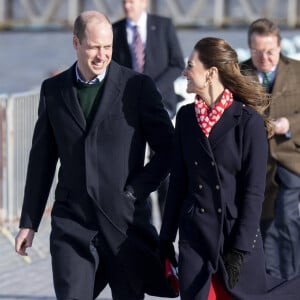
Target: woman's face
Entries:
(196, 74)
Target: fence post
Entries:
(10, 205)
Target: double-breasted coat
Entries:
(215, 199)
(97, 163)
(163, 56)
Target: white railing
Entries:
(18, 114)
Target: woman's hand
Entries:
(233, 263)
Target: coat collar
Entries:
(230, 118)
(69, 95)
(280, 83)
(151, 43)
(109, 96)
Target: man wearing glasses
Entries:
(280, 222)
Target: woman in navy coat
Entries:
(217, 182)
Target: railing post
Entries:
(11, 203)
(219, 12)
(3, 162)
(292, 13)
(74, 8)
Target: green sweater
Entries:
(89, 97)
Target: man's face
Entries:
(133, 9)
(94, 52)
(265, 51)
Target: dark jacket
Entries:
(215, 199)
(97, 163)
(163, 56)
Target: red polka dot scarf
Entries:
(208, 117)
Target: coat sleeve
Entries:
(177, 188)
(251, 183)
(41, 168)
(159, 134)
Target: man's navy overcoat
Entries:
(97, 163)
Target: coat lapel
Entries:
(110, 94)
(201, 138)
(69, 95)
(281, 82)
(229, 119)
(124, 43)
(150, 43)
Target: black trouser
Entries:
(111, 268)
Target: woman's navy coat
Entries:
(215, 199)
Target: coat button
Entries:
(219, 210)
(217, 187)
(196, 163)
(212, 163)
(200, 186)
(202, 210)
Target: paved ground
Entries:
(30, 278)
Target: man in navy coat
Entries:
(95, 118)
(163, 58)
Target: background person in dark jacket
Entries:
(96, 118)
(217, 182)
(162, 56)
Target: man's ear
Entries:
(75, 41)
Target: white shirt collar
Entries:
(98, 78)
(142, 26)
(271, 74)
(141, 23)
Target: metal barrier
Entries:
(57, 14)
(18, 113)
(3, 163)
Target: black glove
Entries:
(233, 262)
(166, 250)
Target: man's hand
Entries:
(24, 240)
(281, 125)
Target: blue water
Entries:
(27, 58)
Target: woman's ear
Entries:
(213, 71)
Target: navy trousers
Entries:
(282, 240)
